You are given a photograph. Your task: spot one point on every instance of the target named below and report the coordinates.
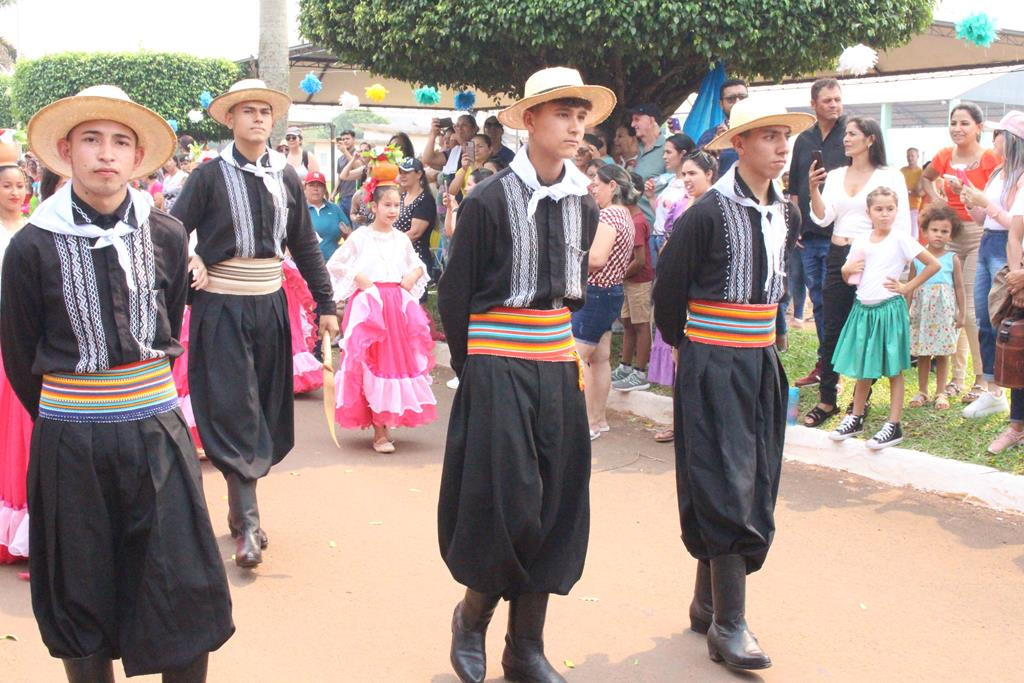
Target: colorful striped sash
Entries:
(122, 394)
(524, 333)
(726, 324)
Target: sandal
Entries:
(942, 402)
(919, 400)
(817, 415)
(384, 446)
(974, 394)
(665, 436)
(953, 389)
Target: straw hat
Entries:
(753, 113)
(100, 103)
(249, 90)
(555, 83)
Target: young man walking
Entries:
(124, 563)
(247, 206)
(716, 297)
(514, 511)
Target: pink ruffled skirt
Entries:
(307, 370)
(15, 438)
(386, 358)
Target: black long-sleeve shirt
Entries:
(499, 257)
(204, 205)
(68, 308)
(833, 155)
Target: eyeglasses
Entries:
(291, 137)
(734, 98)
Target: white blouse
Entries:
(380, 256)
(850, 213)
(672, 193)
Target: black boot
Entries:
(245, 515)
(469, 635)
(94, 669)
(234, 521)
(702, 609)
(524, 659)
(729, 639)
(193, 673)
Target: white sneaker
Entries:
(453, 383)
(987, 404)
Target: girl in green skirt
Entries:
(875, 341)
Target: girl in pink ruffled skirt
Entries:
(383, 378)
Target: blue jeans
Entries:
(991, 257)
(656, 242)
(600, 310)
(1017, 405)
(796, 285)
(812, 257)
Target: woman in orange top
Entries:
(967, 159)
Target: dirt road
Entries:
(864, 583)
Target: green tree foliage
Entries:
(350, 119)
(644, 50)
(168, 83)
(6, 116)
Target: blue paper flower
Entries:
(465, 100)
(311, 85)
(205, 98)
(978, 29)
(173, 124)
(426, 96)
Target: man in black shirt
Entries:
(825, 137)
(123, 559)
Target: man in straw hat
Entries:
(247, 206)
(514, 511)
(124, 562)
(720, 279)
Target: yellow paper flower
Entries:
(377, 92)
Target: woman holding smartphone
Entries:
(965, 160)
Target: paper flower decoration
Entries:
(348, 101)
(311, 85)
(195, 116)
(377, 92)
(205, 98)
(427, 96)
(857, 60)
(465, 100)
(977, 29)
(173, 124)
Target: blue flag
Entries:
(707, 110)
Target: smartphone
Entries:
(817, 158)
(445, 123)
(470, 150)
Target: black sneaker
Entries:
(889, 435)
(852, 425)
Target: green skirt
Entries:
(875, 341)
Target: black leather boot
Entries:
(729, 639)
(193, 673)
(469, 635)
(523, 659)
(702, 609)
(94, 669)
(245, 514)
(234, 521)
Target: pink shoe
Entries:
(1010, 438)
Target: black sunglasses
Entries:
(291, 137)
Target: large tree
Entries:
(273, 59)
(644, 50)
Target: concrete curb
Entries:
(971, 483)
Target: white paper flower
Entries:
(857, 60)
(195, 116)
(348, 101)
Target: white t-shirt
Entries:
(1018, 204)
(994, 194)
(850, 214)
(882, 260)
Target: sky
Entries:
(230, 28)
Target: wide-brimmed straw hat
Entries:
(555, 83)
(100, 103)
(753, 113)
(249, 90)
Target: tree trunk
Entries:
(273, 57)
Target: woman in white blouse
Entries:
(843, 201)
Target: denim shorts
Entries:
(597, 315)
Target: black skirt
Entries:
(730, 417)
(124, 562)
(240, 380)
(514, 511)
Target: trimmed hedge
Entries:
(168, 83)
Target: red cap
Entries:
(316, 177)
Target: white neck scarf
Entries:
(773, 221)
(268, 174)
(56, 215)
(573, 182)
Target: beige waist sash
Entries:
(245, 276)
